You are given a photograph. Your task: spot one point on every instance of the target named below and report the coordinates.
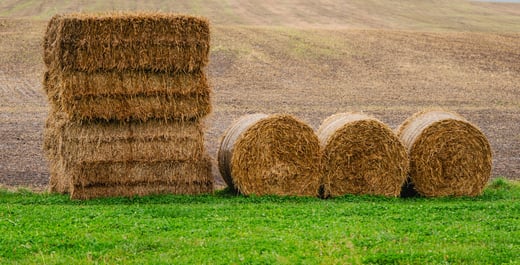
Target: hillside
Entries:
(307, 58)
(438, 15)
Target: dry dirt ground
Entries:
(307, 58)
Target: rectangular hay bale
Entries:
(69, 85)
(140, 179)
(142, 106)
(76, 161)
(127, 41)
(135, 173)
(133, 150)
(116, 141)
(138, 108)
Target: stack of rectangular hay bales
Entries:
(128, 92)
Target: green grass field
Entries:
(225, 229)
(307, 58)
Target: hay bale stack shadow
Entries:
(270, 155)
(361, 155)
(449, 156)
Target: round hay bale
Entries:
(275, 155)
(361, 155)
(448, 155)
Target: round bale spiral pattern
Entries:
(448, 155)
(361, 155)
(270, 155)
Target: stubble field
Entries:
(307, 58)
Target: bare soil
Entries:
(273, 60)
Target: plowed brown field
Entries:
(307, 58)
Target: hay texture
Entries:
(138, 179)
(78, 104)
(135, 173)
(276, 154)
(137, 108)
(150, 157)
(361, 155)
(192, 188)
(58, 181)
(127, 94)
(448, 155)
(155, 140)
(73, 85)
(126, 41)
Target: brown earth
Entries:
(307, 58)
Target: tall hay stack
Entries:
(128, 93)
(361, 155)
(270, 155)
(448, 155)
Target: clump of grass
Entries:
(500, 184)
(501, 188)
